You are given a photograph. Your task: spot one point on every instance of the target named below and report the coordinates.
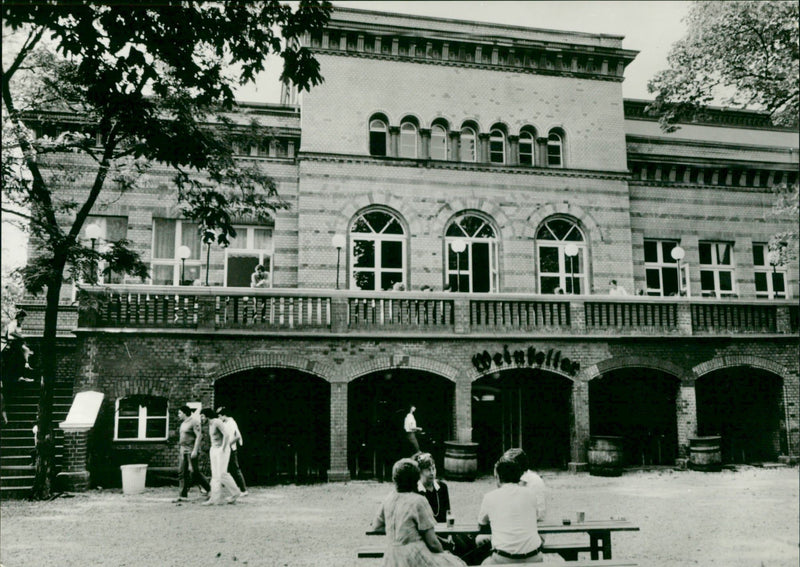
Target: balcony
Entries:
(358, 313)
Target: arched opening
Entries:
(639, 405)
(522, 407)
(744, 406)
(284, 417)
(377, 406)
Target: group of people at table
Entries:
(508, 516)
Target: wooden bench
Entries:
(568, 550)
(375, 552)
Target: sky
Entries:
(648, 27)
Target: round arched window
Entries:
(377, 251)
(561, 248)
(471, 254)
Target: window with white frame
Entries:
(555, 150)
(168, 236)
(408, 140)
(526, 148)
(559, 272)
(661, 270)
(378, 138)
(716, 269)
(438, 142)
(112, 229)
(251, 246)
(377, 251)
(141, 418)
(770, 278)
(468, 144)
(497, 147)
(475, 269)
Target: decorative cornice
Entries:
(635, 109)
(684, 142)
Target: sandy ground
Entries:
(747, 517)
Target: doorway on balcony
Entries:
(284, 417)
(377, 406)
(528, 408)
(639, 405)
(744, 406)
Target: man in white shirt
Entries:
(509, 512)
(411, 429)
(530, 479)
(616, 289)
(236, 442)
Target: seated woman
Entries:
(409, 523)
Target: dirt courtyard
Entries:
(748, 518)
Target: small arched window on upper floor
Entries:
(408, 140)
(377, 250)
(471, 254)
(555, 149)
(438, 142)
(561, 250)
(378, 138)
(468, 144)
(497, 146)
(526, 144)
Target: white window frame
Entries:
(661, 264)
(142, 425)
(470, 134)
(564, 273)
(469, 241)
(716, 268)
(497, 136)
(377, 238)
(554, 140)
(101, 244)
(770, 272)
(384, 129)
(408, 131)
(175, 262)
(250, 250)
(527, 139)
(438, 131)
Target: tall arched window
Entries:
(557, 270)
(468, 144)
(408, 140)
(555, 150)
(525, 148)
(497, 147)
(475, 269)
(378, 138)
(438, 142)
(377, 251)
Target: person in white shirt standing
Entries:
(236, 442)
(529, 478)
(411, 429)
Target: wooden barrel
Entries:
(605, 456)
(460, 460)
(705, 453)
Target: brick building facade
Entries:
(514, 145)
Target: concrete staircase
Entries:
(17, 441)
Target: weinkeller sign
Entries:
(551, 358)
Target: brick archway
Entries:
(741, 360)
(686, 377)
(499, 219)
(476, 374)
(402, 362)
(545, 210)
(252, 361)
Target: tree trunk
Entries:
(45, 450)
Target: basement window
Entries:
(141, 418)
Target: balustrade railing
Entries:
(265, 312)
(734, 317)
(396, 312)
(639, 315)
(518, 315)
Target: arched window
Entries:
(377, 251)
(468, 144)
(526, 148)
(438, 142)
(378, 138)
(475, 268)
(408, 140)
(555, 150)
(559, 272)
(497, 147)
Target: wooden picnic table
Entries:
(599, 532)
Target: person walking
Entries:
(190, 435)
(236, 442)
(218, 454)
(411, 430)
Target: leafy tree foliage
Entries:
(123, 86)
(745, 51)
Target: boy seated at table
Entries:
(530, 479)
(509, 513)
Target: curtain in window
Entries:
(190, 238)
(164, 238)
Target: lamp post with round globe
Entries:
(571, 251)
(94, 233)
(338, 242)
(458, 246)
(677, 254)
(183, 253)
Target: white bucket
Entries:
(133, 477)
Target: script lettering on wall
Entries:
(551, 358)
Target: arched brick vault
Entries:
(741, 360)
(544, 210)
(397, 361)
(475, 374)
(490, 208)
(342, 218)
(269, 360)
(685, 376)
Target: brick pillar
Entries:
(425, 143)
(206, 316)
(513, 150)
(338, 314)
(394, 138)
(685, 318)
(579, 432)
(686, 409)
(461, 316)
(541, 152)
(74, 476)
(455, 146)
(338, 471)
(577, 316)
(463, 424)
(483, 148)
(783, 320)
